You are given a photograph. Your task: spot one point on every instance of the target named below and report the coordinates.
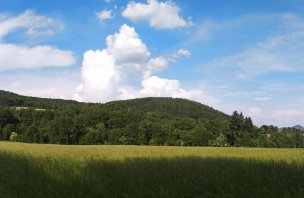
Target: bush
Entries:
(13, 136)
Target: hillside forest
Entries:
(146, 121)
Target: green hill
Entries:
(167, 107)
(159, 105)
(155, 121)
(9, 99)
(301, 128)
(144, 121)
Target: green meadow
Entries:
(37, 170)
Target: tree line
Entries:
(149, 121)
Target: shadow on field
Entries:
(23, 176)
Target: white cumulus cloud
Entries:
(125, 70)
(155, 65)
(98, 73)
(156, 86)
(127, 47)
(106, 73)
(161, 15)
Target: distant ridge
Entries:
(300, 127)
(11, 99)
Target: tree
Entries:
(92, 136)
(159, 134)
(115, 135)
(248, 126)
(220, 141)
(145, 131)
(7, 130)
(64, 131)
(13, 136)
(237, 125)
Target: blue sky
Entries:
(231, 55)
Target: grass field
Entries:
(35, 170)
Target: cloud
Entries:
(155, 65)
(56, 83)
(155, 86)
(99, 74)
(14, 56)
(182, 53)
(125, 70)
(161, 15)
(34, 25)
(202, 31)
(261, 98)
(106, 72)
(279, 117)
(255, 112)
(287, 116)
(279, 53)
(287, 113)
(126, 46)
(22, 57)
(104, 15)
(108, 1)
(282, 53)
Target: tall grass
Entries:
(28, 170)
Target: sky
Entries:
(231, 55)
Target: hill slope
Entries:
(170, 106)
(159, 105)
(152, 121)
(144, 121)
(9, 99)
(301, 128)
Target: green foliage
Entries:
(145, 121)
(220, 141)
(13, 137)
(9, 99)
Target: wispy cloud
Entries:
(21, 57)
(17, 56)
(31, 23)
(265, 98)
(55, 83)
(104, 15)
(182, 53)
(281, 53)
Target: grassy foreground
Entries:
(32, 170)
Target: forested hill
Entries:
(167, 107)
(145, 121)
(9, 99)
(163, 107)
